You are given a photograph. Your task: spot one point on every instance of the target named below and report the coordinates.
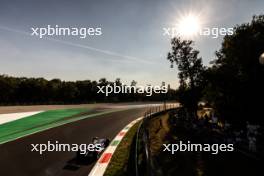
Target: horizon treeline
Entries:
(35, 91)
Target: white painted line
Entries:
(137, 106)
(4, 118)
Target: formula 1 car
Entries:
(93, 155)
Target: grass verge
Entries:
(120, 160)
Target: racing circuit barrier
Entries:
(144, 164)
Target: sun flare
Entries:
(188, 26)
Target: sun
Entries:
(188, 26)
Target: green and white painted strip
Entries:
(6, 135)
(101, 165)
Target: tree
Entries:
(190, 72)
(235, 80)
(16, 91)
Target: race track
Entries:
(18, 160)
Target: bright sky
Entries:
(132, 46)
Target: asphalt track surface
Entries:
(16, 158)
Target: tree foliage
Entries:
(17, 91)
(190, 72)
(235, 80)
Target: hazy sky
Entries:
(131, 28)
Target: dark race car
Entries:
(91, 156)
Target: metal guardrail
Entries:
(142, 140)
(136, 150)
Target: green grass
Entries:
(119, 162)
(37, 122)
